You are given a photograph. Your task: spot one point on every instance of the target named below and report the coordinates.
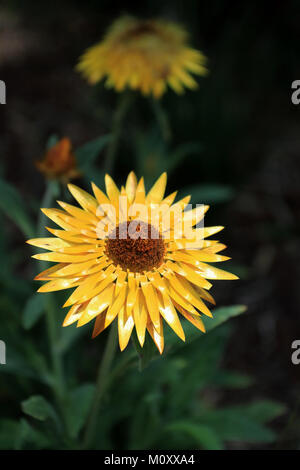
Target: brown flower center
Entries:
(136, 246)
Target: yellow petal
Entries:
(210, 272)
(203, 255)
(59, 284)
(192, 274)
(180, 300)
(157, 191)
(111, 189)
(78, 213)
(74, 314)
(100, 196)
(158, 338)
(169, 314)
(125, 327)
(140, 193)
(99, 324)
(86, 201)
(48, 243)
(48, 273)
(169, 199)
(117, 303)
(64, 258)
(152, 303)
(140, 316)
(81, 269)
(196, 321)
(97, 305)
(185, 289)
(131, 185)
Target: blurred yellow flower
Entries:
(59, 162)
(134, 256)
(145, 55)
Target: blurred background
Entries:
(234, 143)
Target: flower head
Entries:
(59, 162)
(145, 55)
(133, 256)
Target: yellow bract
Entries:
(144, 55)
(103, 291)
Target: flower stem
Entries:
(101, 385)
(125, 99)
(58, 385)
(162, 119)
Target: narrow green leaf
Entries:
(262, 411)
(222, 314)
(8, 432)
(234, 424)
(33, 310)
(87, 154)
(26, 435)
(13, 206)
(203, 435)
(77, 407)
(209, 193)
(37, 407)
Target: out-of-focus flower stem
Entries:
(52, 191)
(162, 119)
(121, 110)
(102, 381)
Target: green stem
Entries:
(125, 99)
(102, 381)
(52, 329)
(162, 119)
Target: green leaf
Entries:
(26, 435)
(78, 406)
(233, 424)
(228, 379)
(222, 314)
(202, 435)
(87, 154)
(8, 431)
(33, 310)
(38, 407)
(13, 206)
(263, 411)
(209, 193)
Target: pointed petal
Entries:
(157, 191)
(97, 305)
(86, 201)
(131, 185)
(169, 314)
(158, 338)
(125, 327)
(111, 189)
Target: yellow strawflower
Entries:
(133, 256)
(144, 55)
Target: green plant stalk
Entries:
(122, 108)
(162, 119)
(58, 385)
(101, 385)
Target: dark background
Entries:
(244, 119)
